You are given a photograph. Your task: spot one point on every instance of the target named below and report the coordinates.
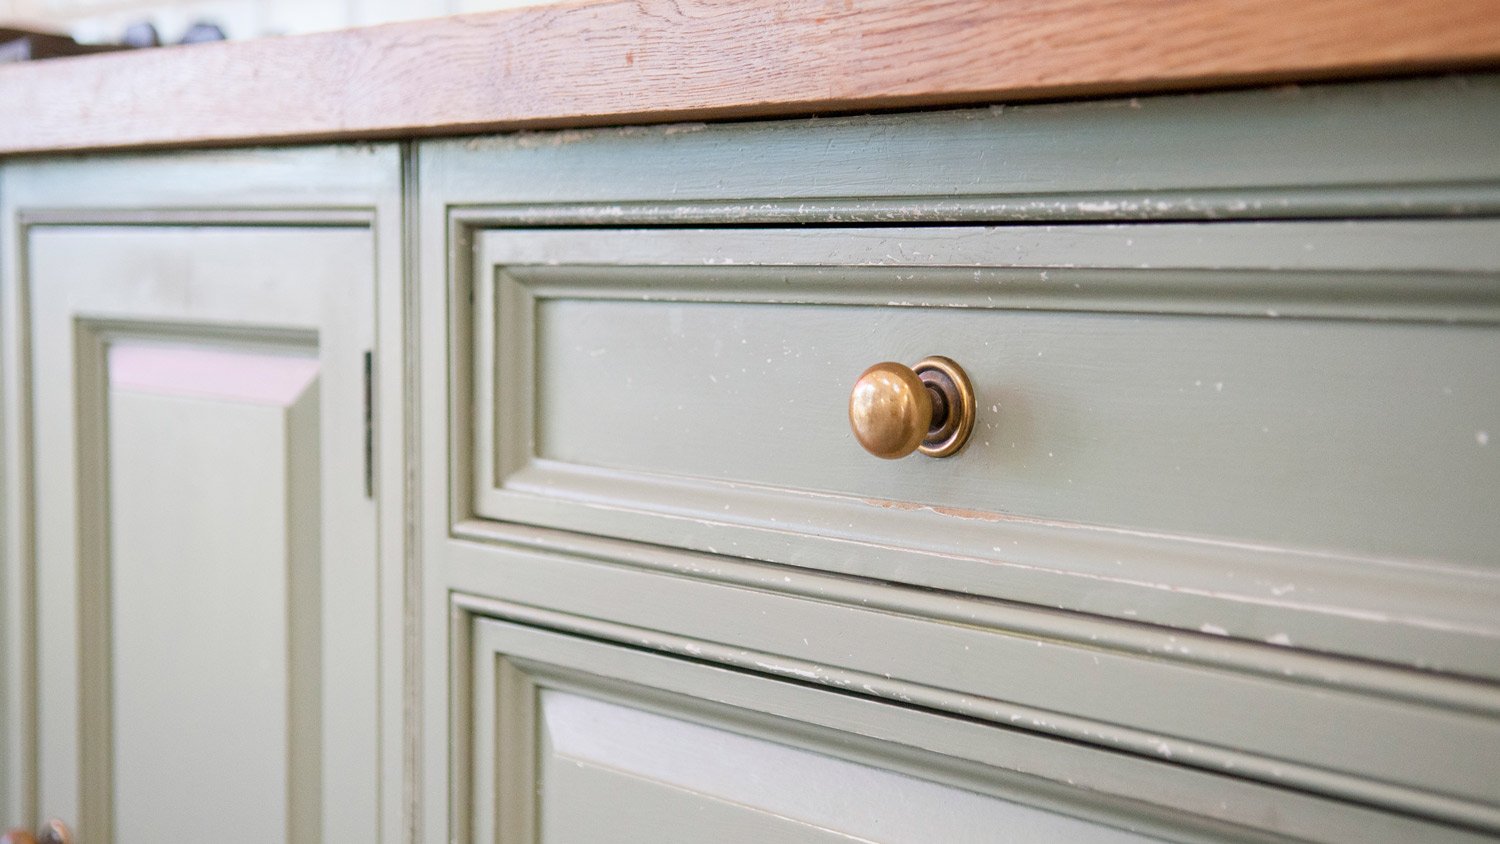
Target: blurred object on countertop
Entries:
(103, 21)
(142, 34)
(202, 32)
(20, 45)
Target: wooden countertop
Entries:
(635, 61)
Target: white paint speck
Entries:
(1279, 639)
(1482, 437)
(1214, 629)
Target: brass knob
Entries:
(895, 410)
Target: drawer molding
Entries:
(475, 541)
(1178, 778)
(1290, 202)
(1283, 730)
(1339, 601)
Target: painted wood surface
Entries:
(173, 732)
(621, 61)
(1335, 305)
(726, 432)
(1199, 701)
(1203, 209)
(609, 771)
(1054, 696)
(191, 506)
(1316, 151)
(622, 738)
(214, 605)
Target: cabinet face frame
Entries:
(1310, 153)
(353, 187)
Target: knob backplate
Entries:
(949, 379)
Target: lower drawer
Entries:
(576, 740)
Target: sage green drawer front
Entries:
(1272, 430)
(1349, 730)
(575, 740)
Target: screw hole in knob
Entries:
(895, 410)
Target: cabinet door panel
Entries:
(614, 772)
(204, 540)
(213, 578)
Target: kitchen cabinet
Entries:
(1216, 563)
(192, 346)
(502, 488)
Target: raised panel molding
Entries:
(521, 674)
(215, 614)
(578, 426)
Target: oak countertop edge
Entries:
(615, 62)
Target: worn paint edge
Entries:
(1279, 662)
(1283, 203)
(1007, 715)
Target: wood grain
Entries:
(622, 61)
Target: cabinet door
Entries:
(204, 532)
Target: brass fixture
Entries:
(895, 410)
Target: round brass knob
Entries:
(890, 410)
(895, 410)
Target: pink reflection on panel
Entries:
(257, 377)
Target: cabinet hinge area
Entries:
(369, 421)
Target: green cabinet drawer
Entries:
(575, 740)
(1267, 423)
(1347, 730)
